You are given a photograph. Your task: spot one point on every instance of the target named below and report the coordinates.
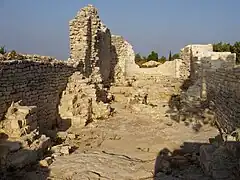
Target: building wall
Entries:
(215, 78)
(223, 90)
(37, 84)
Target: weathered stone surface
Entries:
(214, 78)
(125, 59)
(90, 45)
(35, 83)
(13, 55)
(79, 102)
(186, 55)
(62, 135)
(83, 165)
(46, 162)
(61, 150)
(65, 150)
(19, 120)
(1, 57)
(168, 69)
(41, 145)
(60, 95)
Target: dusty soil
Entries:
(126, 146)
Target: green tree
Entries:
(163, 59)
(138, 57)
(152, 56)
(2, 50)
(170, 56)
(222, 47)
(236, 49)
(175, 56)
(226, 47)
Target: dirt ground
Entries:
(126, 146)
(137, 143)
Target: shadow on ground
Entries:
(190, 160)
(192, 110)
(19, 163)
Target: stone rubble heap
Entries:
(19, 120)
(25, 145)
(79, 102)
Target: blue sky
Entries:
(41, 26)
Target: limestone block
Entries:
(18, 120)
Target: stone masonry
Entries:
(102, 57)
(35, 83)
(125, 62)
(186, 54)
(90, 44)
(223, 89)
(215, 78)
(39, 95)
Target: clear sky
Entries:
(41, 26)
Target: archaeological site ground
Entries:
(99, 116)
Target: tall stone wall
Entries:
(223, 90)
(35, 83)
(90, 44)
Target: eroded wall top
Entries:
(90, 45)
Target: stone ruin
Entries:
(209, 73)
(103, 56)
(41, 95)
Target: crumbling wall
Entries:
(186, 55)
(223, 90)
(90, 45)
(35, 83)
(80, 103)
(125, 62)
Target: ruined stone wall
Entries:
(186, 55)
(223, 89)
(199, 59)
(90, 44)
(125, 59)
(80, 102)
(215, 78)
(35, 83)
